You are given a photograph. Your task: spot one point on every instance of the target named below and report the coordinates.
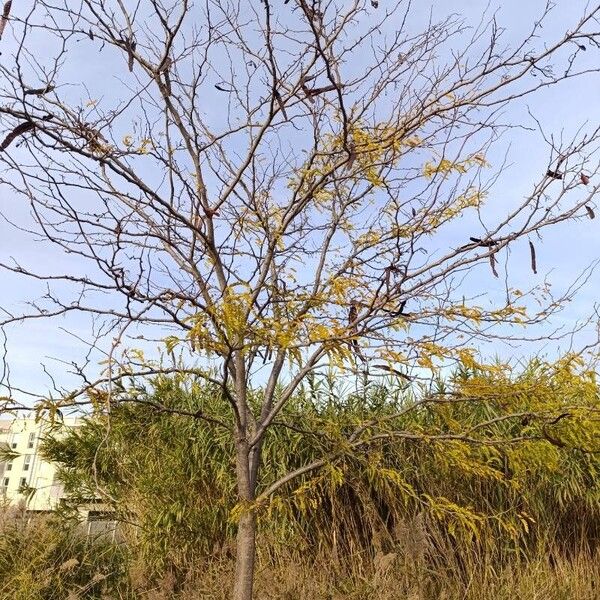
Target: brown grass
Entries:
(395, 577)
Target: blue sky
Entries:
(561, 254)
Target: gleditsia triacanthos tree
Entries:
(277, 187)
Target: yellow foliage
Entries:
(446, 167)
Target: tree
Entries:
(271, 188)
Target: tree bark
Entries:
(246, 534)
(245, 553)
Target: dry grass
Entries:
(44, 560)
(421, 564)
(393, 577)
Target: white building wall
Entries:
(22, 436)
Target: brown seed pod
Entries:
(352, 314)
(394, 371)
(20, 130)
(401, 308)
(5, 15)
(590, 212)
(280, 104)
(15, 133)
(493, 265)
(130, 46)
(320, 90)
(38, 91)
(533, 259)
(485, 243)
(351, 156)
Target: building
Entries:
(31, 482)
(27, 477)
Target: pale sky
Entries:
(562, 254)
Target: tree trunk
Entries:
(244, 560)
(246, 534)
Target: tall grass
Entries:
(397, 577)
(46, 558)
(59, 564)
(420, 515)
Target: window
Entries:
(22, 482)
(27, 462)
(4, 487)
(9, 466)
(5, 481)
(31, 441)
(13, 445)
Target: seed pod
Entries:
(590, 212)
(394, 371)
(533, 259)
(493, 265)
(38, 91)
(321, 90)
(281, 104)
(15, 133)
(130, 46)
(351, 156)
(484, 243)
(4, 18)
